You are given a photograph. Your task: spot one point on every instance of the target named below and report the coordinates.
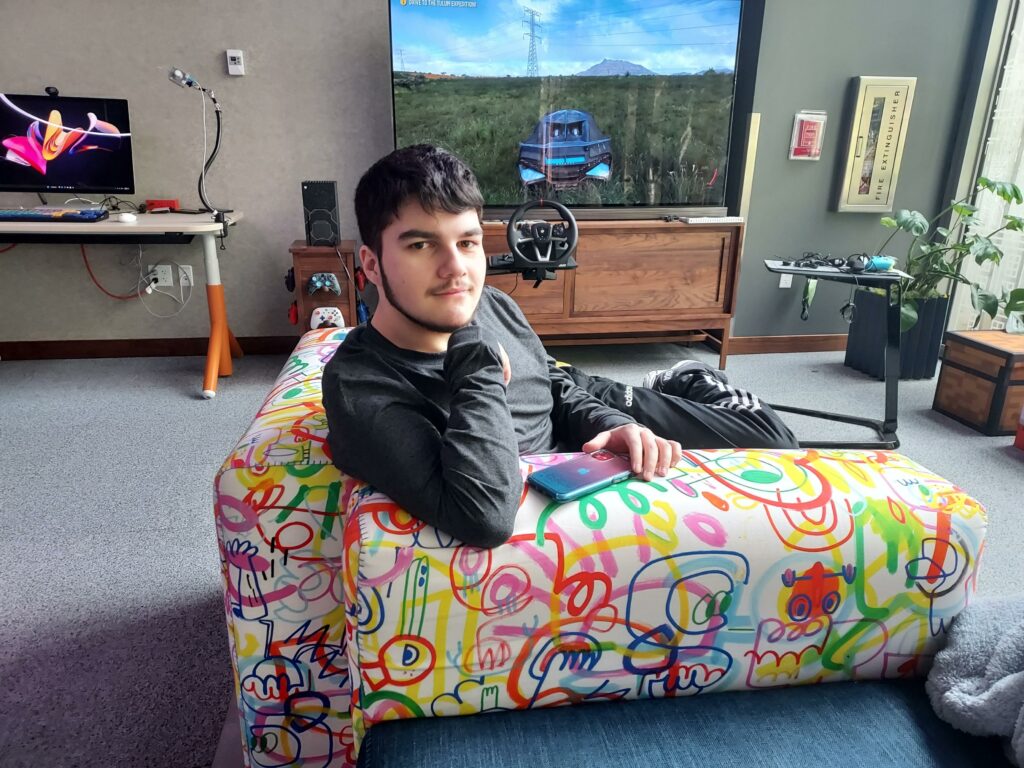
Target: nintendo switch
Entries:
(578, 477)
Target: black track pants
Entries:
(698, 411)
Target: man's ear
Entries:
(371, 265)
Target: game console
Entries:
(324, 281)
(326, 317)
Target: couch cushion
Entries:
(740, 570)
(873, 725)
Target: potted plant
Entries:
(933, 262)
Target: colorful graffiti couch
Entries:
(740, 570)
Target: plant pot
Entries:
(919, 347)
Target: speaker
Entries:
(320, 208)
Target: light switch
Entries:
(236, 63)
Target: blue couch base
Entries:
(855, 725)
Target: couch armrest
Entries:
(741, 569)
(278, 506)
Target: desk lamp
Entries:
(183, 79)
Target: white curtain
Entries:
(1003, 161)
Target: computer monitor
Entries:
(65, 144)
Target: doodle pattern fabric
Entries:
(740, 570)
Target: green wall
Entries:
(809, 51)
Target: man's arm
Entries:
(462, 477)
(577, 415)
(580, 412)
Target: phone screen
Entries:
(580, 476)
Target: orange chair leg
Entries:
(236, 348)
(218, 355)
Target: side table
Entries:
(307, 260)
(886, 428)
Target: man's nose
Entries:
(452, 261)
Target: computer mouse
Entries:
(126, 217)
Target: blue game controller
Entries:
(324, 281)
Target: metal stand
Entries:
(885, 429)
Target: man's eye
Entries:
(469, 244)
(419, 245)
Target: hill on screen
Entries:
(615, 67)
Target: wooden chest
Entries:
(982, 380)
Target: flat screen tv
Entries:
(614, 105)
(65, 144)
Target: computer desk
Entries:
(154, 229)
(891, 282)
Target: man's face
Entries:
(430, 274)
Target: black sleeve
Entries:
(463, 478)
(577, 415)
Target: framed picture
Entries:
(808, 135)
(874, 147)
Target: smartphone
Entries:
(578, 477)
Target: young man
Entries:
(434, 400)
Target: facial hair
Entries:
(430, 326)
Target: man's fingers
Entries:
(650, 449)
(636, 450)
(677, 452)
(664, 456)
(598, 442)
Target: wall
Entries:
(314, 104)
(809, 51)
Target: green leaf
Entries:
(1006, 190)
(964, 209)
(984, 301)
(1015, 223)
(983, 249)
(908, 315)
(889, 222)
(1015, 301)
(913, 222)
(942, 232)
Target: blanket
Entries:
(977, 682)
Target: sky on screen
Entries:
(490, 38)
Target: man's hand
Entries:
(648, 453)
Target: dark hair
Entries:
(434, 177)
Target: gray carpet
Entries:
(113, 650)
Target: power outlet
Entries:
(163, 273)
(785, 281)
(186, 275)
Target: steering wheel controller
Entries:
(539, 248)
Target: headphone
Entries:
(858, 262)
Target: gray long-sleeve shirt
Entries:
(440, 434)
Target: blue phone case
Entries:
(578, 477)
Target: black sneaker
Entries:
(657, 380)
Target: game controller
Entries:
(325, 281)
(326, 317)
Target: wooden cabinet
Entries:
(307, 260)
(981, 382)
(637, 281)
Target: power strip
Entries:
(712, 219)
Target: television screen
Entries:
(596, 103)
(65, 144)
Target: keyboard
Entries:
(52, 213)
